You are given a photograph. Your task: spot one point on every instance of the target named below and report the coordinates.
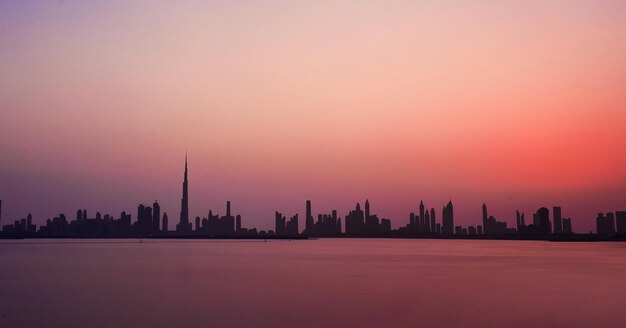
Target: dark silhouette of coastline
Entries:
(359, 223)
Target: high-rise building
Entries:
(228, 221)
(422, 224)
(156, 216)
(620, 220)
(30, 227)
(372, 223)
(355, 221)
(184, 225)
(385, 225)
(125, 223)
(280, 226)
(291, 227)
(432, 220)
(558, 223)
(605, 225)
(567, 226)
(447, 227)
(165, 222)
(485, 218)
(541, 221)
(309, 224)
(144, 219)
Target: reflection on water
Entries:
(315, 283)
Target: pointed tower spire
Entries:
(184, 225)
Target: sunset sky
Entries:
(519, 104)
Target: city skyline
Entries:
(358, 222)
(518, 105)
(263, 221)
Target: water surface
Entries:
(312, 283)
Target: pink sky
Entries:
(517, 104)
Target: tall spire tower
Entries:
(184, 225)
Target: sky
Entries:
(518, 104)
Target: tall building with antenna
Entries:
(184, 225)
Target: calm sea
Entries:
(313, 283)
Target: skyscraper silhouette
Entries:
(422, 224)
(447, 227)
(485, 218)
(541, 221)
(432, 220)
(280, 224)
(558, 223)
(355, 221)
(144, 219)
(156, 217)
(567, 226)
(292, 225)
(165, 222)
(309, 223)
(184, 225)
(605, 224)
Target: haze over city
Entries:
(519, 105)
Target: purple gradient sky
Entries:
(519, 105)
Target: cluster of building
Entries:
(284, 227)
(542, 225)
(215, 225)
(358, 222)
(23, 226)
(425, 222)
(149, 223)
(610, 224)
(326, 224)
